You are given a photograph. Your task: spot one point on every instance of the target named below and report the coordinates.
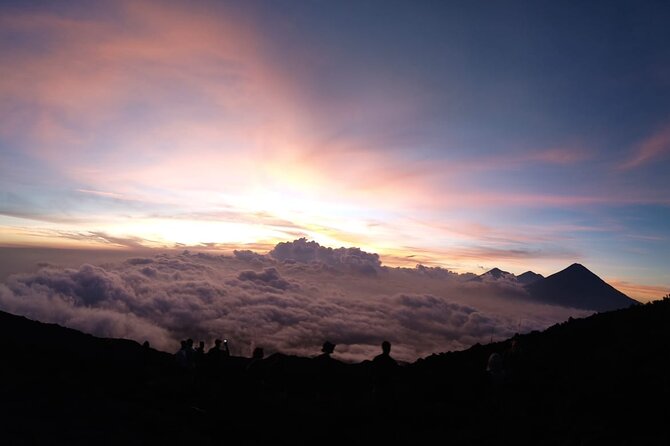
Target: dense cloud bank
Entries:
(301, 250)
(290, 301)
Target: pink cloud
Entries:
(560, 155)
(176, 60)
(653, 147)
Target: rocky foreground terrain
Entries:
(600, 380)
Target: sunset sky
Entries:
(524, 135)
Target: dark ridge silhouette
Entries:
(578, 287)
(596, 380)
(528, 277)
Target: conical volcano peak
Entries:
(577, 286)
(577, 271)
(577, 267)
(496, 273)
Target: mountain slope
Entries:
(529, 277)
(578, 287)
(494, 274)
(585, 381)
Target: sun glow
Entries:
(182, 125)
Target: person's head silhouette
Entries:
(386, 347)
(258, 353)
(217, 343)
(328, 347)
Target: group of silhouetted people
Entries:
(189, 358)
(499, 366)
(323, 377)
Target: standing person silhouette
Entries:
(384, 369)
(327, 349)
(327, 371)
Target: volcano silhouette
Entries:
(494, 274)
(529, 277)
(578, 287)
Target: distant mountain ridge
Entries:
(493, 275)
(529, 277)
(575, 286)
(498, 274)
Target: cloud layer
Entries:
(291, 302)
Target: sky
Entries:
(523, 135)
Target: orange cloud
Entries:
(643, 293)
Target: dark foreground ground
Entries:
(600, 380)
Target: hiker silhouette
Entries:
(383, 364)
(216, 355)
(190, 353)
(327, 349)
(384, 369)
(513, 358)
(182, 356)
(258, 353)
(216, 350)
(327, 382)
(256, 367)
(200, 354)
(495, 368)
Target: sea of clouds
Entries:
(290, 300)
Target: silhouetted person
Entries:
(217, 354)
(326, 373)
(216, 350)
(145, 361)
(512, 358)
(258, 353)
(182, 356)
(384, 369)
(327, 349)
(226, 350)
(200, 354)
(256, 368)
(190, 353)
(495, 368)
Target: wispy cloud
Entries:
(654, 147)
(638, 291)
